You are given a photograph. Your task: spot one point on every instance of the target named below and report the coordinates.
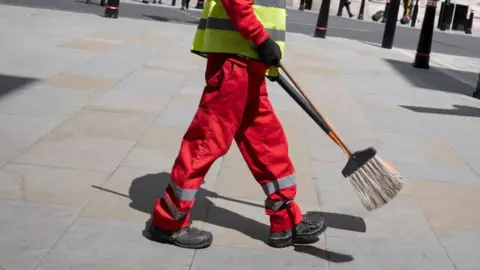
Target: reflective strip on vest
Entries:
(216, 33)
(279, 184)
(176, 214)
(226, 24)
(184, 194)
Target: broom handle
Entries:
(331, 133)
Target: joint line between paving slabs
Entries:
(440, 242)
(108, 177)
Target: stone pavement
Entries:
(92, 112)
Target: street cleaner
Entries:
(243, 41)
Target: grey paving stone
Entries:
(26, 127)
(51, 185)
(62, 262)
(77, 152)
(419, 149)
(29, 230)
(400, 220)
(45, 101)
(240, 258)
(328, 176)
(108, 239)
(12, 147)
(462, 247)
(160, 160)
(152, 81)
(399, 122)
(426, 171)
(114, 125)
(470, 153)
(176, 116)
(388, 255)
(116, 63)
(131, 100)
(162, 137)
(43, 64)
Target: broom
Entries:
(375, 182)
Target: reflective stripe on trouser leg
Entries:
(208, 137)
(263, 145)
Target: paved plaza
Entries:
(92, 112)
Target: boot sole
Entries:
(189, 246)
(167, 240)
(286, 242)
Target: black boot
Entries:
(306, 232)
(189, 237)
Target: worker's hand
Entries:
(269, 53)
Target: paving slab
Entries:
(49, 185)
(122, 240)
(60, 262)
(389, 255)
(29, 230)
(241, 258)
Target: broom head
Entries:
(375, 182)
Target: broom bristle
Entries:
(376, 183)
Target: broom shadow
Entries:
(145, 190)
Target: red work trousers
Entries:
(234, 105)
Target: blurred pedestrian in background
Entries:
(185, 4)
(346, 4)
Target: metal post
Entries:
(362, 10)
(469, 24)
(391, 25)
(422, 57)
(322, 22)
(385, 12)
(476, 94)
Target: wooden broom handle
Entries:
(332, 134)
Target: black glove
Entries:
(269, 53)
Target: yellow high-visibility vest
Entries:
(217, 34)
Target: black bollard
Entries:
(476, 94)
(391, 24)
(385, 12)
(469, 24)
(341, 3)
(322, 22)
(422, 57)
(362, 10)
(415, 14)
(174, 2)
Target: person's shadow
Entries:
(145, 190)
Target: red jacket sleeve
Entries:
(243, 18)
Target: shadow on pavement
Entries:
(9, 83)
(145, 190)
(180, 19)
(330, 256)
(459, 110)
(434, 78)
